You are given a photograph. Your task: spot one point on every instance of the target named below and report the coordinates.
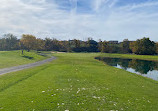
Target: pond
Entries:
(142, 67)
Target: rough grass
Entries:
(14, 58)
(77, 82)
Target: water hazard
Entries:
(142, 67)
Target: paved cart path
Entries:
(26, 66)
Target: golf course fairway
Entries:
(77, 82)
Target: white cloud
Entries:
(73, 6)
(141, 5)
(43, 18)
(99, 5)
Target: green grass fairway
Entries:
(143, 57)
(77, 82)
(14, 58)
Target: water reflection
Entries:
(143, 67)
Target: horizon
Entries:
(80, 19)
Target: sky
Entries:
(80, 19)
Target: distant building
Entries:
(113, 42)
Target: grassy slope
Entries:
(77, 82)
(14, 58)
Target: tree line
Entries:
(29, 42)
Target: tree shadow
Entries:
(28, 57)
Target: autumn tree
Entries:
(63, 46)
(56, 45)
(77, 43)
(92, 45)
(102, 45)
(40, 44)
(9, 42)
(125, 46)
(143, 47)
(157, 47)
(28, 42)
(48, 44)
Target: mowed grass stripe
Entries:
(78, 82)
(15, 78)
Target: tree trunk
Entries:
(22, 51)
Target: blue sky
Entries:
(80, 19)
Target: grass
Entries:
(77, 82)
(14, 58)
(143, 57)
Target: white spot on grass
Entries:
(83, 88)
(69, 80)
(53, 94)
(149, 101)
(43, 91)
(94, 97)
(78, 91)
(66, 110)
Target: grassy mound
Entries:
(14, 58)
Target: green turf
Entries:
(144, 57)
(77, 82)
(14, 58)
